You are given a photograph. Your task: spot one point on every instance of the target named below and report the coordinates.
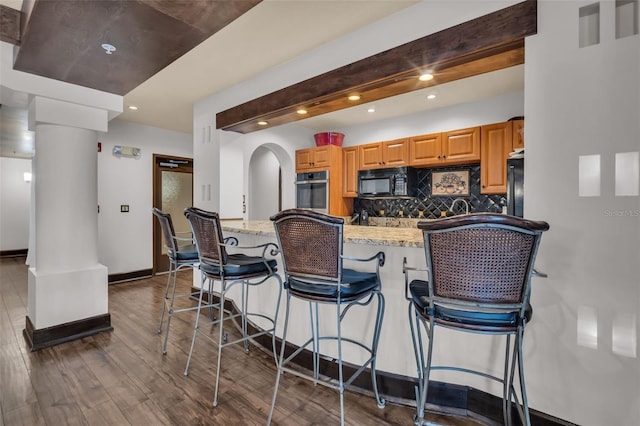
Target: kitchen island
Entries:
(396, 360)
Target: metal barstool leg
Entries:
(427, 369)
(170, 313)
(374, 350)
(314, 341)
(164, 301)
(340, 378)
(416, 338)
(506, 384)
(220, 338)
(195, 327)
(275, 321)
(282, 347)
(245, 307)
(523, 388)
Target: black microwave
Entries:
(389, 182)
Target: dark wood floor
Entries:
(121, 378)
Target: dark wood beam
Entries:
(10, 24)
(488, 43)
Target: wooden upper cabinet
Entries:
(447, 148)
(379, 155)
(518, 134)
(496, 146)
(425, 150)
(461, 146)
(318, 158)
(350, 171)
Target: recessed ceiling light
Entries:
(133, 107)
(371, 109)
(108, 48)
(426, 76)
(262, 123)
(431, 96)
(354, 97)
(302, 111)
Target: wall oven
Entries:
(312, 191)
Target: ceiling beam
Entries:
(484, 44)
(10, 24)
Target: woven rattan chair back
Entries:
(168, 232)
(311, 244)
(480, 264)
(207, 235)
(483, 258)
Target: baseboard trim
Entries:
(444, 397)
(62, 333)
(13, 253)
(130, 276)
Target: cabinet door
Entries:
(495, 147)
(518, 134)
(370, 156)
(322, 156)
(395, 153)
(350, 171)
(425, 150)
(461, 146)
(304, 159)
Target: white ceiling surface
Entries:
(272, 32)
(257, 41)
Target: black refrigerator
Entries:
(515, 186)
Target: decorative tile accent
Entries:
(431, 207)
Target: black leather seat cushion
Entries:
(419, 290)
(240, 265)
(354, 283)
(184, 253)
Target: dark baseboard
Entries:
(13, 253)
(447, 397)
(129, 276)
(62, 333)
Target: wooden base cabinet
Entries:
(495, 148)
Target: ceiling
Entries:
(236, 52)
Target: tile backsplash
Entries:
(432, 206)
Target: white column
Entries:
(66, 282)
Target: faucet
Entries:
(466, 205)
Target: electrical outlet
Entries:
(124, 208)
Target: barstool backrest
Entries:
(311, 243)
(168, 232)
(481, 259)
(207, 234)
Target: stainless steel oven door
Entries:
(312, 191)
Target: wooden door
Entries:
(370, 156)
(172, 193)
(518, 134)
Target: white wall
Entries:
(125, 240)
(15, 198)
(576, 102)
(581, 349)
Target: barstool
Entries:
(231, 269)
(312, 258)
(180, 256)
(478, 280)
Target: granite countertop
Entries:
(372, 235)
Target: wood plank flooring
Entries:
(122, 378)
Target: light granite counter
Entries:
(371, 235)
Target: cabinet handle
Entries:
(439, 156)
(444, 156)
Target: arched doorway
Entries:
(265, 184)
